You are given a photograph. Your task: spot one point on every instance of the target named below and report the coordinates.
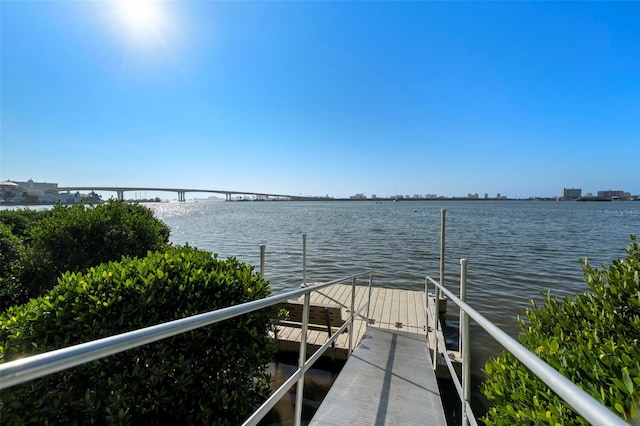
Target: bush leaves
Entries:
(593, 339)
(213, 375)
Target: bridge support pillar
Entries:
(120, 194)
(181, 196)
(227, 196)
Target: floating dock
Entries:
(390, 309)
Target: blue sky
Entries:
(337, 98)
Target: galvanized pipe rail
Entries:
(583, 403)
(22, 370)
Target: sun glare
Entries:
(143, 19)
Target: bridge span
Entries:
(120, 190)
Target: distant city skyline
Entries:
(148, 192)
(323, 98)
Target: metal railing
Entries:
(583, 403)
(22, 370)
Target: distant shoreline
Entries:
(375, 200)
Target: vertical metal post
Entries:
(301, 359)
(436, 326)
(262, 248)
(304, 260)
(426, 308)
(369, 299)
(443, 214)
(465, 344)
(463, 296)
(436, 308)
(353, 316)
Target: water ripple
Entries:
(516, 250)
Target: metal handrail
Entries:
(291, 381)
(22, 370)
(583, 403)
(463, 391)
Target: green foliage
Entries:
(11, 252)
(21, 221)
(73, 238)
(213, 375)
(593, 339)
(77, 237)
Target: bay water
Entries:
(516, 250)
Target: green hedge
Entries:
(593, 339)
(73, 238)
(11, 266)
(21, 221)
(77, 237)
(213, 375)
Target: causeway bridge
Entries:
(120, 190)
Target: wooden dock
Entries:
(390, 309)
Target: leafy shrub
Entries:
(213, 375)
(593, 339)
(77, 237)
(21, 221)
(11, 249)
(73, 238)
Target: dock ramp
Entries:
(388, 380)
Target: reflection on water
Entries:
(317, 382)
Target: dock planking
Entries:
(391, 309)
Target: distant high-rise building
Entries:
(38, 188)
(613, 194)
(570, 193)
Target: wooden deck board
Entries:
(376, 306)
(411, 325)
(418, 312)
(386, 381)
(422, 311)
(385, 314)
(404, 313)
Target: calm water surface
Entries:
(516, 249)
